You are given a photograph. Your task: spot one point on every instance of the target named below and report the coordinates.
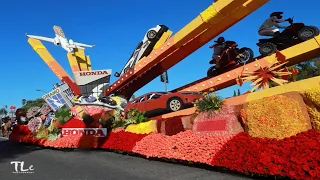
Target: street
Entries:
(92, 164)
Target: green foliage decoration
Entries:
(134, 116)
(117, 120)
(210, 101)
(63, 114)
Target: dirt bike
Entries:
(230, 58)
(294, 34)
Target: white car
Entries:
(104, 101)
(144, 48)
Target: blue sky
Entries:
(115, 27)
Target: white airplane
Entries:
(61, 40)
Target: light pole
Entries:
(41, 90)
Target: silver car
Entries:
(144, 48)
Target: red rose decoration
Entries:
(296, 157)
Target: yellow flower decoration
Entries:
(313, 95)
(274, 117)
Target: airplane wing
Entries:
(75, 46)
(41, 38)
(83, 45)
(79, 47)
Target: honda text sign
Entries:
(93, 82)
(96, 132)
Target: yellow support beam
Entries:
(47, 58)
(217, 18)
(216, 13)
(79, 61)
(89, 63)
(73, 63)
(53, 64)
(163, 39)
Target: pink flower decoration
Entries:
(43, 117)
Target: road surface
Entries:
(93, 165)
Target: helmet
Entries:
(220, 40)
(277, 14)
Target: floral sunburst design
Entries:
(276, 72)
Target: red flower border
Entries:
(296, 157)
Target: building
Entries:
(59, 96)
(93, 83)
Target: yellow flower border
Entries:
(313, 95)
(274, 117)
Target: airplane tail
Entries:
(58, 31)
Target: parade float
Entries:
(276, 135)
(266, 131)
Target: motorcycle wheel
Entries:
(267, 48)
(248, 55)
(211, 72)
(308, 32)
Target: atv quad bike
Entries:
(294, 34)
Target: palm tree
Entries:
(3, 111)
(23, 101)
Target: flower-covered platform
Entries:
(296, 157)
(276, 136)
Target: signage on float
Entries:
(89, 77)
(50, 94)
(95, 132)
(90, 73)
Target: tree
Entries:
(23, 101)
(234, 93)
(307, 69)
(33, 103)
(317, 63)
(3, 112)
(239, 92)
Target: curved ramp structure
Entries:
(218, 17)
(299, 53)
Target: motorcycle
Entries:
(236, 56)
(294, 34)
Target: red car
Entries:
(157, 103)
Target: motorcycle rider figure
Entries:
(268, 29)
(218, 48)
